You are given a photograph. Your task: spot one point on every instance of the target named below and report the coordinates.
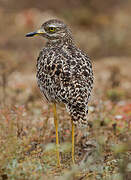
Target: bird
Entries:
(64, 75)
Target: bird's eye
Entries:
(51, 29)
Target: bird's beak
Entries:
(36, 33)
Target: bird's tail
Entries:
(78, 115)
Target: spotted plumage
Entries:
(64, 72)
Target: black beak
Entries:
(31, 34)
(36, 33)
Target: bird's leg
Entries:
(73, 142)
(56, 130)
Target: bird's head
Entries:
(52, 30)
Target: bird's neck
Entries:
(59, 42)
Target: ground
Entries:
(27, 133)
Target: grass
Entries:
(27, 132)
(102, 151)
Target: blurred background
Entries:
(103, 30)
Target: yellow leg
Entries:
(73, 142)
(56, 129)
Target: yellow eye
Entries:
(51, 29)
